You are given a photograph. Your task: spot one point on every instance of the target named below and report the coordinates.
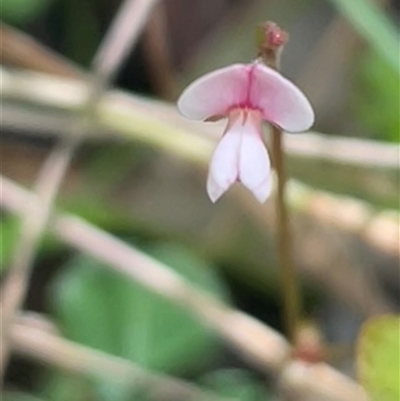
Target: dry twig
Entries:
(30, 340)
(22, 50)
(66, 95)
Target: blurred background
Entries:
(140, 175)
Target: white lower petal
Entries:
(241, 156)
(254, 164)
(224, 165)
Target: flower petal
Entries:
(254, 164)
(280, 101)
(215, 93)
(223, 170)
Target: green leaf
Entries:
(22, 11)
(59, 387)
(376, 28)
(235, 383)
(100, 308)
(378, 358)
(10, 230)
(376, 99)
(9, 227)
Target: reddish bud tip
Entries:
(275, 37)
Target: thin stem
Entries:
(290, 286)
(271, 40)
(156, 52)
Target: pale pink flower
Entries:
(246, 94)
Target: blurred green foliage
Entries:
(95, 211)
(97, 307)
(19, 397)
(81, 28)
(79, 23)
(377, 99)
(59, 386)
(235, 383)
(367, 17)
(115, 160)
(22, 11)
(379, 358)
(9, 227)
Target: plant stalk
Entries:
(271, 40)
(290, 285)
